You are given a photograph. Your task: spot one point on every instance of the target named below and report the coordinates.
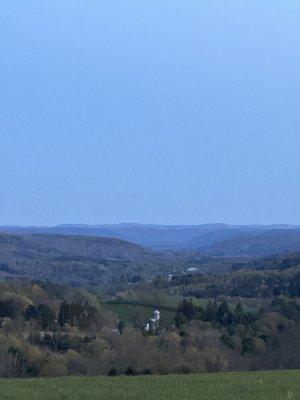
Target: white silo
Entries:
(156, 315)
(147, 327)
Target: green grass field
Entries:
(268, 385)
(135, 314)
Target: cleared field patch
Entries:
(139, 315)
(268, 385)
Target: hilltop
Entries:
(75, 259)
(208, 239)
(85, 260)
(155, 236)
(271, 242)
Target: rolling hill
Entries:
(275, 241)
(160, 237)
(85, 260)
(77, 259)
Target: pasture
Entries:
(267, 385)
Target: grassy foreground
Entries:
(273, 385)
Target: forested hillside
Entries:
(85, 260)
(241, 320)
(271, 242)
(212, 239)
(79, 259)
(216, 314)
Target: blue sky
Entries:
(149, 111)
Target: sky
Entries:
(168, 112)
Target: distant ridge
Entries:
(159, 236)
(271, 242)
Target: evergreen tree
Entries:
(64, 314)
(45, 316)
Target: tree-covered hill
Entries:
(242, 239)
(272, 242)
(85, 260)
(55, 330)
(78, 259)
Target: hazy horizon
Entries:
(144, 224)
(161, 112)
